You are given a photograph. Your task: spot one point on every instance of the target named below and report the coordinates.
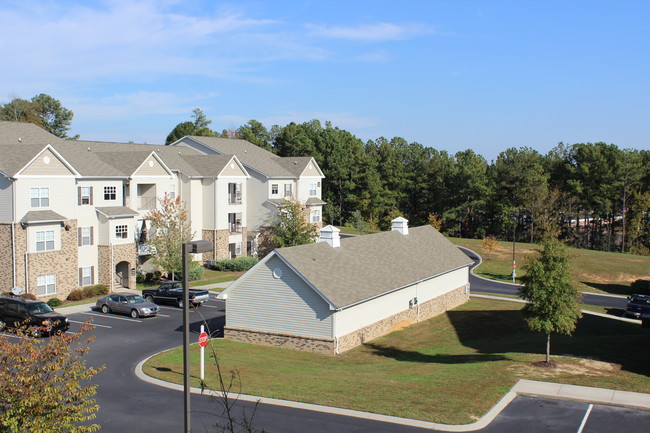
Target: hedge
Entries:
(234, 265)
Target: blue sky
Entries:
(453, 75)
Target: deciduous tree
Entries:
(44, 111)
(553, 301)
(291, 226)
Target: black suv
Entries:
(638, 306)
(37, 315)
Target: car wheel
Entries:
(149, 298)
(179, 303)
(106, 309)
(135, 314)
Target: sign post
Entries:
(203, 340)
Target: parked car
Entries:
(127, 303)
(171, 292)
(638, 306)
(37, 316)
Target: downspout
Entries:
(336, 337)
(417, 305)
(214, 231)
(13, 232)
(26, 262)
(110, 242)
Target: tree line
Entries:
(592, 195)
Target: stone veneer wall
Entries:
(121, 253)
(63, 262)
(427, 310)
(6, 258)
(244, 239)
(285, 341)
(222, 244)
(208, 235)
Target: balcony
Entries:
(234, 198)
(235, 227)
(145, 250)
(146, 203)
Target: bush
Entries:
(234, 265)
(88, 291)
(76, 295)
(140, 278)
(54, 302)
(641, 287)
(196, 273)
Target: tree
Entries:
(292, 227)
(255, 133)
(553, 301)
(181, 130)
(42, 384)
(198, 126)
(44, 111)
(170, 227)
(490, 244)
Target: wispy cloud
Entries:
(371, 32)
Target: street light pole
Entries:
(188, 248)
(514, 239)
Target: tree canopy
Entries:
(43, 110)
(198, 126)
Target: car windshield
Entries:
(135, 299)
(39, 308)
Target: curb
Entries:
(633, 400)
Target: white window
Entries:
(172, 192)
(85, 195)
(238, 248)
(46, 284)
(315, 216)
(312, 189)
(45, 240)
(39, 197)
(287, 190)
(86, 276)
(274, 189)
(110, 193)
(121, 231)
(86, 236)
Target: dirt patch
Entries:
(565, 365)
(401, 325)
(608, 279)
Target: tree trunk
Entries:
(548, 347)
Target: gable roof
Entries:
(365, 267)
(22, 132)
(112, 212)
(42, 216)
(256, 158)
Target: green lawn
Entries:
(209, 277)
(449, 369)
(592, 271)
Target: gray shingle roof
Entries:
(21, 132)
(117, 211)
(367, 266)
(255, 157)
(15, 156)
(42, 216)
(314, 201)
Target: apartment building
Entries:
(74, 213)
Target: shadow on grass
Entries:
(498, 332)
(498, 277)
(613, 289)
(411, 356)
(615, 312)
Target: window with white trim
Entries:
(315, 216)
(312, 189)
(85, 195)
(86, 236)
(86, 276)
(110, 193)
(172, 192)
(45, 240)
(274, 189)
(287, 190)
(39, 197)
(121, 231)
(46, 284)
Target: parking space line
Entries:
(584, 420)
(163, 315)
(209, 306)
(112, 317)
(90, 324)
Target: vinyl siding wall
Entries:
(6, 200)
(367, 313)
(286, 305)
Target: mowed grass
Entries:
(450, 369)
(209, 277)
(592, 271)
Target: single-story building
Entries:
(336, 294)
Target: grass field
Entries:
(209, 277)
(449, 369)
(592, 271)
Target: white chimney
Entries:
(330, 234)
(401, 225)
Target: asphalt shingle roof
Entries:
(367, 266)
(22, 132)
(42, 216)
(117, 211)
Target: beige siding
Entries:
(232, 169)
(47, 164)
(310, 170)
(6, 200)
(151, 167)
(285, 305)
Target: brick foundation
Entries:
(285, 341)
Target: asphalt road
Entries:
(489, 286)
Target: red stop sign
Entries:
(203, 339)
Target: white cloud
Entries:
(371, 32)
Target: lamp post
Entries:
(194, 247)
(514, 239)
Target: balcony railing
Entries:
(235, 227)
(234, 198)
(146, 202)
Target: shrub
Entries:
(149, 277)
(235, 265)
(196, 273)
(76, 295)
(88, 291)
(54, 302)
(157, 275)
(101, 289)
(140, 278)
(642, 287)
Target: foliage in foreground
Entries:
(42, 384)
(553, 301)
